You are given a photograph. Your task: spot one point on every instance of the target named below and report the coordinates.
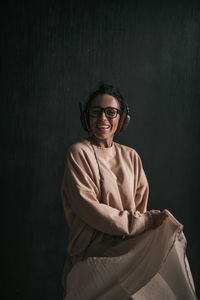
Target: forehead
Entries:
(105, 101)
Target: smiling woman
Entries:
(117, 249)
(104, 118)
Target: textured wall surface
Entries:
(53, 53)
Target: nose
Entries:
(102, 115)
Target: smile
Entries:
(103, 126)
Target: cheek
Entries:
(92, 123)
(116, 124)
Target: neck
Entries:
(101, 143)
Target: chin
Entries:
(103, 136)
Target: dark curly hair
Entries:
(110, 90)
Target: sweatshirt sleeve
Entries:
(141, 185)
(79, 192)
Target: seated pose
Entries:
(117, 248)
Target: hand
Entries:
(158, 217)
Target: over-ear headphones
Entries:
(123, 121)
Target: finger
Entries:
(155, 211)
(164, 214)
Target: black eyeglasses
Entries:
(110, 112)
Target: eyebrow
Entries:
(96, 106)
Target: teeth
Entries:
(102, 126)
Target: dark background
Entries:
(53, 53)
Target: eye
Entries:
(111, 112)
(95, 111)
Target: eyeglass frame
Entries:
(103, 109)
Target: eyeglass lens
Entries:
(110, 112)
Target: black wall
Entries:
(53, 54)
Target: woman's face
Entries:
(102, 126)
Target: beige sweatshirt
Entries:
(101, 212)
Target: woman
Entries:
(104, 195)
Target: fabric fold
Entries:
(152, 265)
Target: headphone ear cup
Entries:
(126, 123)
(85, 121)
(84, 118)
(82, 121)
